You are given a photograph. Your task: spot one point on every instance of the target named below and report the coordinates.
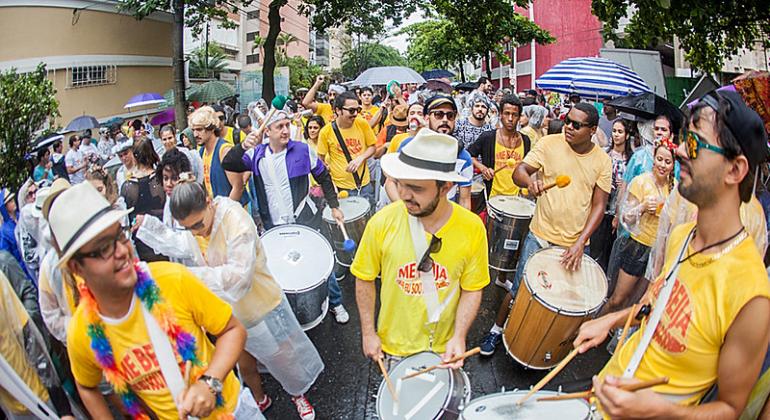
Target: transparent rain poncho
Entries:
(56, 296)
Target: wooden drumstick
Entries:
(509, 164)
(468, 353)
(548, 377)
(634, 309)
(628, 387)
(561, 182)
(387, 379)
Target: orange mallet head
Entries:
(562, 181)
(345, 194)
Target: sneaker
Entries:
(304, 409)
(507, 284)
(490, 342)
(265, 403)
(341, 315)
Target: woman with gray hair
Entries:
(535, 115)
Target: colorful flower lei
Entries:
(149, 294)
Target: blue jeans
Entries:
(530, 247)
(366, 191)
(335, 293)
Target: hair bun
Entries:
(186, 177)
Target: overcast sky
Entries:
(400, 42)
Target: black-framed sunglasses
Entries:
(577, 125)
(197, 226)
(426, 262)
(107, 250)
(450, 115)
(352, 110)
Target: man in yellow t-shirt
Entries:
(360, 142)
(96, 247)
(568, 216)
(367, 108)
(225, 131)
(325, 110)
(713, 292)
(431, 290)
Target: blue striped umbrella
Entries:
(592, 77)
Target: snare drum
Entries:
(301, 261)
(356, 211)
(508, 225)
(438, 394)
(547, 312)
(478, 201)
(502, 406)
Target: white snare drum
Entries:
(502, 406)
(356, 210)
(438, 394)
(301, 261)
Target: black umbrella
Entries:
(81, 123)
(648, 106)
(467, 86)
(44, 141)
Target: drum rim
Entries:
(523, 392)
(331, 220)
(450, 388)
(490, 208)
(557, 309)
(326, 241)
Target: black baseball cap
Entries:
(437, 100)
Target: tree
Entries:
(208, 67)
(27, 102)
(301, 73)
(709, 31)
(437, 44)
(366, 55)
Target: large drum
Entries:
(356, 211)
(478, 200)
(438, 394)
(508, 225)
(547, 312)
(502, 406)
(301, 261)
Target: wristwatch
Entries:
(214, 384)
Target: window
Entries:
(252, 59)
(254, 14)
(250, 36)
(91, 76)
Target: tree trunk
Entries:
(268, 66)
(462, 72)
(488, 63)
(177, 44)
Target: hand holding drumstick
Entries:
(537, 187)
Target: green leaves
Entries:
(27, 102)
(367, 55)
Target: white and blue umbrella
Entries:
(381, 76)
(144, 99)
(592, 77)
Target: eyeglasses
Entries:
(693, 143)
(450, 115)
(107, 250)
(577, 125)
(197, 226)
(352, 110)
(426, 262)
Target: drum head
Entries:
(503, 406)
(512, 205)
(298, 257)
(421, 397)
(578, 292)
(352, 207)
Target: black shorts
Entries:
(633, 256)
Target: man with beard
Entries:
(710, 309)
(431, 253)
(469, 129)
(325, 110)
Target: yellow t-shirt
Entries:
(386, 247)
(228, 135)
(703, 304)
(396, 141)
(534, 135)
(197, 311)
(325, 111)
(357, 138)
(369, 114)
(502, 183)
(642, 187)
(223, 149)
(561, 213)
(13, 318)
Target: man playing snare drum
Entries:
(431, 253)
(565, 217)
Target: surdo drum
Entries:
(301, 261)
(438, 394)
(550, 306)
(356, 211)
(478, 201)
(502, 406)
(508, 225)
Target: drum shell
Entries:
(503, 406)
(309, 306)
(506, 235)
(355, 229)
(478, 199)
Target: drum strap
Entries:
(14, 385)
(657, 312)
(169, 367)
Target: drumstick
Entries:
(561, 182)
(387, 379)
(509, 164)
(468, 353)
(626, 326)
(628, 387)
(187, 368)
(548, 377)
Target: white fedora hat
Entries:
(428, 156)
(77, 215)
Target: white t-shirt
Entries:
(74, 158)
(276, 179)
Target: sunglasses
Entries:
(450, 115)
(693, 143)
(577, 125)
(107, 250)
(426, 262)
(352, 110)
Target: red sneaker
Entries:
(265, 403)
(304, 409)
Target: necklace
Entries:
(732, 242)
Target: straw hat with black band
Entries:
(428, 156)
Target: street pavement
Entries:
(347, 388)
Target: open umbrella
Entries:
(144, 99)
(212, 91)
(169, 95)
(83, 122)
(164, 117)
(44, 141)
(437, 74)
(466, 86)
(380, 76)
(592, 77)
(648, 106)
(112, 121)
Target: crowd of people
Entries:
(137, 256)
